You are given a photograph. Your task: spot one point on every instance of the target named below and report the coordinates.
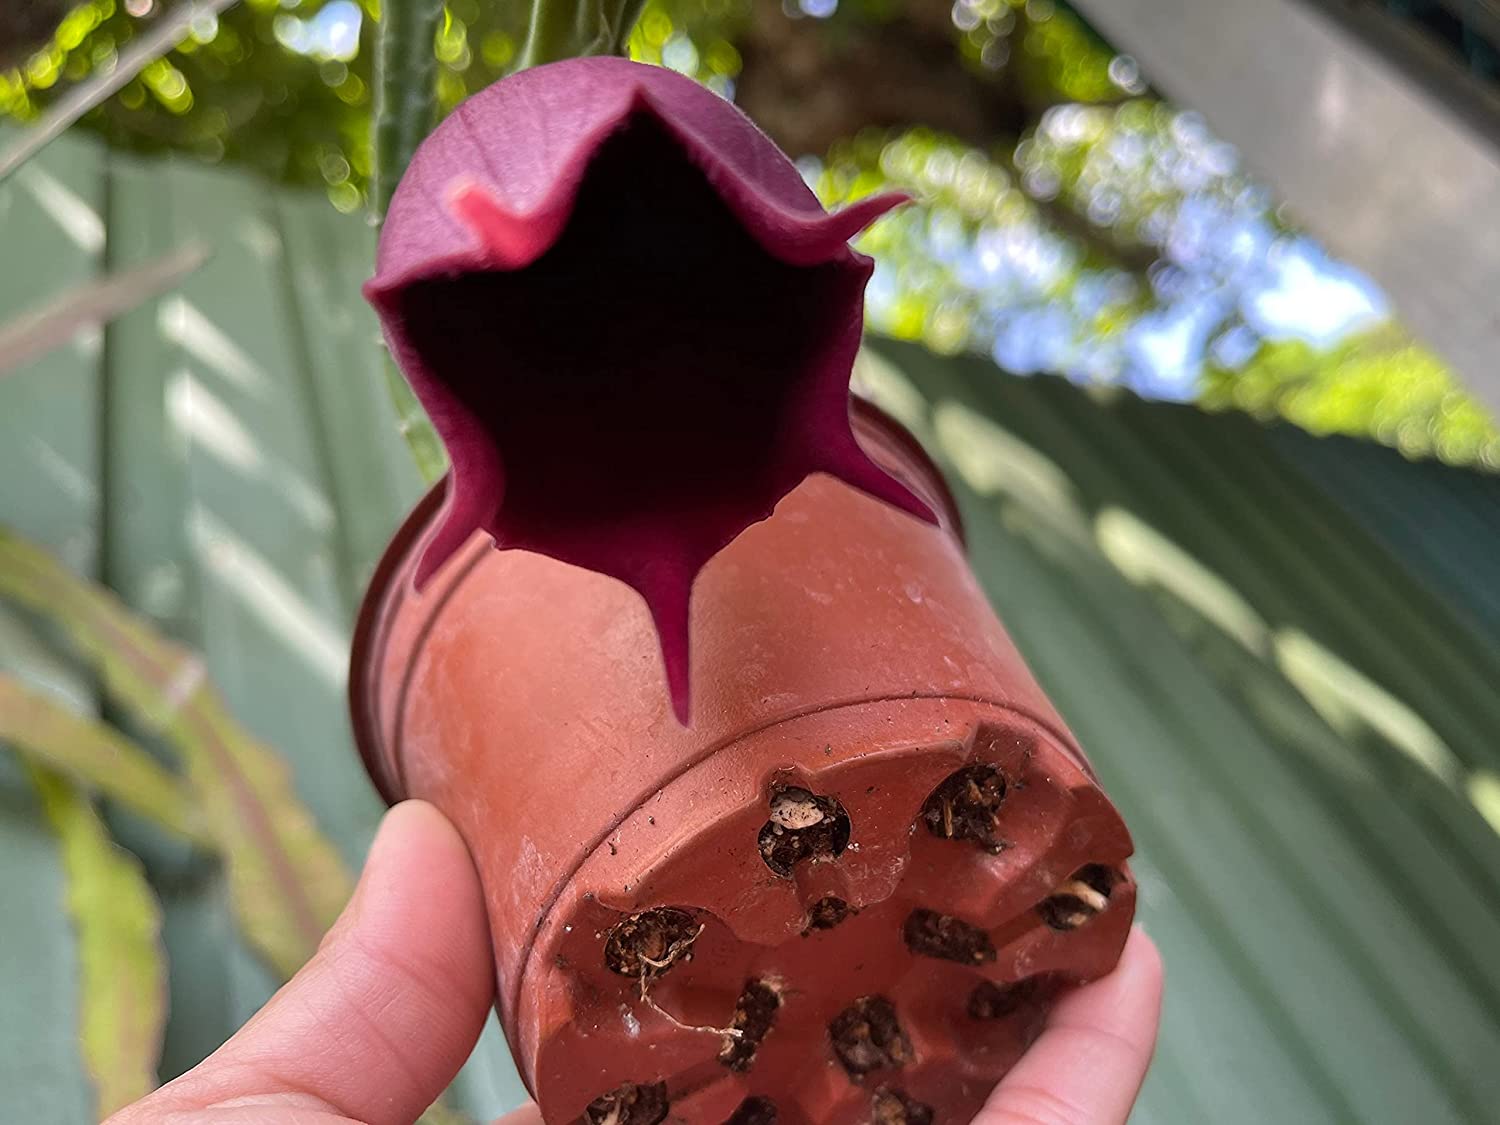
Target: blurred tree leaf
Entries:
(97, 756)
(1381, 383)
(286, 880)
(105, 82)
(123, 973)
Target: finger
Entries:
(1087, 1066)
(379, 1021)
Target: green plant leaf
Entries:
(168, 30)
(123, 973)
(286, 880)
(96, 755)
(54, 322)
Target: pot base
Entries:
(872, 931)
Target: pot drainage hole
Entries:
(991, 1001)
(930, 934)
(893, 1107)
(802, 826)
(647, 945)
(826, 913)
(867, 1036)
(754, 1111)
(629, 1104)
(966, 806)
(754, 1015)
(1082, 896)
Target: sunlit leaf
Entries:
(1379, 384)
(56, 321)
(95, 755)
(286, 880)
(169, 30)
(122, 986)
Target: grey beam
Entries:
(1374, 157)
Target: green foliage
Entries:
(286, 879)
(231, 91)
(122, 984)
(97, 756)
(236, 799)
(1382, 384)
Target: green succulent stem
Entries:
(405, 91)
(405, 112)
(566, 29)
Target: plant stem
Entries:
(406, 91)
(405, 112)
(564, 29)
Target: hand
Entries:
(376, 1025)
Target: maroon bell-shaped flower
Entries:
(631, 323)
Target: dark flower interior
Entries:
(652, 374)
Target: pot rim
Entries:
(383, 592)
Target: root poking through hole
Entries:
(648, 944)
(826, 913)
(1081, 897)
(802, 826)
(629, 1104)
(867, 1036)
(966, 806)
(893, 1107)
(991, 1001)
(930, 934)
(754, 1016)
(754, 1111)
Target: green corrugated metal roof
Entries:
(1279, 650)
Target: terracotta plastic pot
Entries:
(845, 892)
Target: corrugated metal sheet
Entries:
(1280, 651)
